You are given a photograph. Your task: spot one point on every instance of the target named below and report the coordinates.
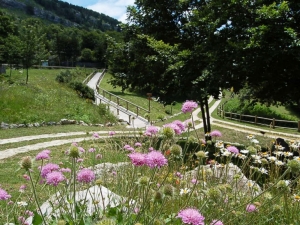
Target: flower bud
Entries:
(26, 163)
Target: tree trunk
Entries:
(207, 115)
(203, 116)
(26, 75)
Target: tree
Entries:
(32, 43)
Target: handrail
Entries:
(255, 119)
(119, 98)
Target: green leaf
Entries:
(37, 219)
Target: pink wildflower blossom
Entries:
(156, 159)
(111, 133)
(153, 130)
(233, 149)
(216, 222)
(251, 208)
(179, 124)
(42, 155)
(189, 106)
(138, 144)
(191, 216)
(85, 176)
(137, 159)
(215, 133)
(54, 178)
(48, 168)
(4, 195)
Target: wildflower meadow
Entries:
(165, 178)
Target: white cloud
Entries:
(113, 8)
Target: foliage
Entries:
(158, 193)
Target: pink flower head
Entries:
(29, 213)
(92, 150)
(126, 147)
(54, 178)
(151, 149)
(233, 149)
(26, 177)
(138, 144)
(156, 159)
(174, 126)
(179, 124)
(85, 175)
(194, 181)
(95, 135)
(47, 151)
(111, 133)
(22, 188)
(81, 149)
(75, 144)
(189, 106)
(137, 159)
(191, 216)
(43, 155)
(215, 133)
(48, 168)
(251, 208)
(216, 222)
(153, 130)
(79, 160)
(4, 195)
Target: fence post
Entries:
(273, 123)
(240, 117)
(118, 106)
(223, 114)
(299, 126)
(231, 115)
(137, 111)
(255, 119)
(129, 119)
(127, 105)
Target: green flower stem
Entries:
(35, 197)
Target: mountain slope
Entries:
(55, 11)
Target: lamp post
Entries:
(149, 98)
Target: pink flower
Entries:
(194, 181)
(191, 216)
(215, 133)
(43, 155)
(22, 188)
(85, 176)
(153, 130)
(4, 195)
(179, 124)
(48, 168)
(216, 222)
(137, 159)
(233, 149)
(92, 150)
(155, 159)
(151, 149)
(54, 178)
(138, 144)
(29, 213)
(81, 149)
(251, 208)
(95, 135)
(26, 177)
(174, 126)
(111, 133)
(189, 106)
(79, 160)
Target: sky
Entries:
(113, 8)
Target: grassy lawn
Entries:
(45, 99)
